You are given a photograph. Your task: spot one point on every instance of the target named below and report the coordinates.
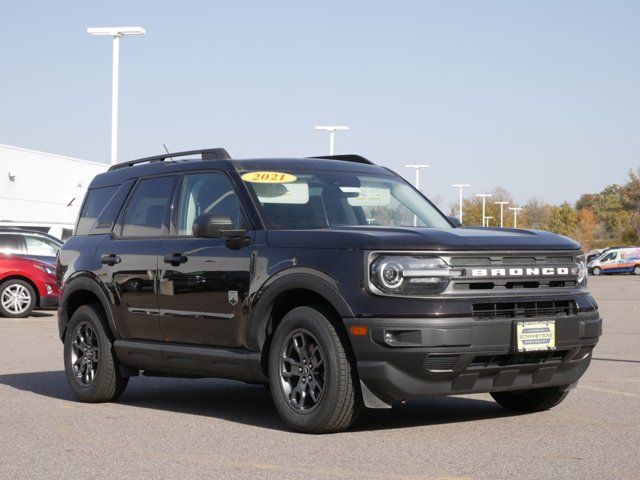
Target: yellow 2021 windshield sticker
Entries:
(268, 177)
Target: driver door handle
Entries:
(175, 259)
(110, 259)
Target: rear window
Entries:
(11, 243)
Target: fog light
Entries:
(49, 289)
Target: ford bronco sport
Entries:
(331, 280)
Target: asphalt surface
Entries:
(168, 428)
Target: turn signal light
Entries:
(358, 330)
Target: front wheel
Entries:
(313, 382)
(534, 400)
(90, 366)
(636, 270)
(597, 271)
(17, 299)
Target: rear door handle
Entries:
(110, 259)
(175, 259)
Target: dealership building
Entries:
(43, 191)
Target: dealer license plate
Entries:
(535, 336)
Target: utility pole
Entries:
(332, 129)
(417, 168)
(484, 197)
(502, 204)
(460, 186)
(515, 215)
(116, 33)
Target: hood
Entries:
(407, 238)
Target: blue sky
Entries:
(539, 97)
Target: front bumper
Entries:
(450, 356)
(49, 301)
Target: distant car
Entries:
(29, 243)
(616, 260)
(25, 284)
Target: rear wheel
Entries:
(597, 271)
(17, 299)
(90, 366)
(313, 382)
(534, 400)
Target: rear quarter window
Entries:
(101, 208)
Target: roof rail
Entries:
(206, 154)
(347, 158)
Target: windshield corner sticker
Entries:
(268, 177)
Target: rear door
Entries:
(203, 282)
(129, 257)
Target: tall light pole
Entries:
(502, 204)
(515, 215)
(332, 129)
(460, 186)
(484, 197)
(417, 168)
(488, 220)
(116, 33)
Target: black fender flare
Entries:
(87, 282)
(291, 279)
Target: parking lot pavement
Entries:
(223, 429)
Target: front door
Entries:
(204, 282)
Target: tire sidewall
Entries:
(597, 271)
(636, 270)
(310, 319)
(32, 293)
(86, 314)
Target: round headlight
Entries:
(391, 275)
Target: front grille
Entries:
(440, 362)
(551, 308)
(499, 276)
(514, 359)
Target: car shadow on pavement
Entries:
(252, 404)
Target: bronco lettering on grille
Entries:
(519, 272)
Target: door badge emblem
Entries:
(233, 297)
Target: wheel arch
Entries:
(83, 290)
(289, 290)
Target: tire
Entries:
(597, 271)
(96, 379)
(636, 270)
(314, 386)
(17, 299)
(534, 400)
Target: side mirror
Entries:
(209, 225)
(455, 221)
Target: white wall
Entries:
(42, 189)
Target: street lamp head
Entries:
(502, 203)
(460, 185)
(332, 128)
(484, 195)
(517, 209)
(116, 31)
(424, 165)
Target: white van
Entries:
(617, 260)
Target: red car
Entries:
(25, 284)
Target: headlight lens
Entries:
(582, 270)
(410, 274)
(48, 270)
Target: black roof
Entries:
(218, 158)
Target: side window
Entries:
(146, 210)
(11, 243)
(41, 246)
(96, 199)
(207, 193)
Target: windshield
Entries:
(329, 199)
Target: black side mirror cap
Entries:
(455, 221)
(210, 225)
